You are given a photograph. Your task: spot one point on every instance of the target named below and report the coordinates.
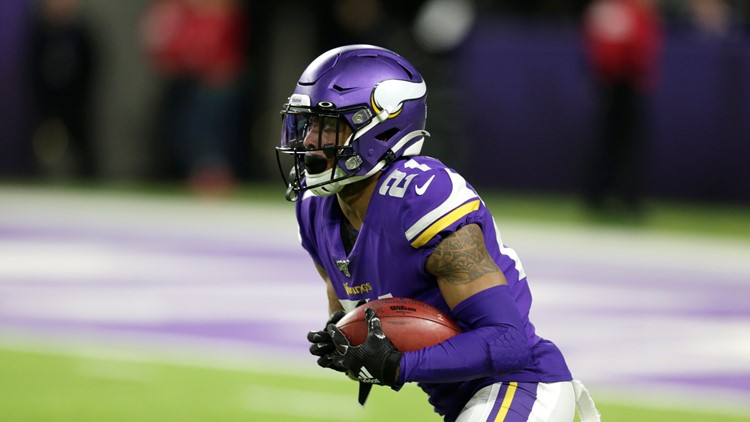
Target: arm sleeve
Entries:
(494, 343)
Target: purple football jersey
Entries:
(417, 202)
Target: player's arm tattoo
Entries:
(461, 257)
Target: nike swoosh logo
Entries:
(422, 189)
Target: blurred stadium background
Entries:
(146, 277)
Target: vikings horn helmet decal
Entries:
(368, 92)
(390, 95)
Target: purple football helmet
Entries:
(375, 92)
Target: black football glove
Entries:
(376, 361)
(322, 344)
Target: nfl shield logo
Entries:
(343, 265)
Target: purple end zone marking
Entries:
(704, 310)
(289, 337)
(187, 245)
(633, 275)
(740, 381)
(712, 297)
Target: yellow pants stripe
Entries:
(507, 400)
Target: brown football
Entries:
(410, 324)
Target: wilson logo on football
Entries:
(403, 308)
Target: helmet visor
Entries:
(312, 131)
(294, 129)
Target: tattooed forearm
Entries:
(461, 257)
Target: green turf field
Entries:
(47, 387)
(60, 385)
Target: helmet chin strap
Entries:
(333, 188)
(327, 189)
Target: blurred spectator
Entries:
(63, 64)
(198, 47)
(442, 25)
(623, 39)
(712, 18)
(716, 19)
(440, 28)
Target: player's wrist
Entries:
(391, 369)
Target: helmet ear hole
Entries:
(386, 135)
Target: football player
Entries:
(380, 220)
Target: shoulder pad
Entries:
(433, 197)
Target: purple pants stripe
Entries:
(501, 395)
(514, 402)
